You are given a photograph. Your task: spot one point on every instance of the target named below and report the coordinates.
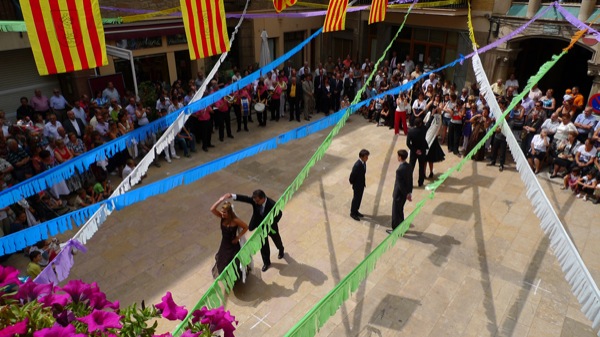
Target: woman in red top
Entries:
(61, 152)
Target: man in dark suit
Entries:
(318, 89)
(294, 96)
(74, 124)
(357, 179)
(418, 146)
(402, 190)
(261, 206)
(337, 85)
(350, 87)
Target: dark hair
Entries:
(418, 122)
(363, 153)
(44, 154)
(259, 193)
(33, 255)
(403, 154)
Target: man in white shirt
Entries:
(498, 88)
(432, 80)
(110, 92)
(409, 66)
(163, 103)
(305, 70)
(51, 128)
(514, 83)
(79, 113)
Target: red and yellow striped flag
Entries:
(283, 4)
(378, 9)
(205, 27)
(335, 19)
(65, 35)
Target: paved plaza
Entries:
(475, 263)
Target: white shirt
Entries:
(538, 143)
(51, 130)
(551, 126)
(80, 113)
(76, 127)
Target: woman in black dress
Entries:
(232, 230)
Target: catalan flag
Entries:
(335, 19)
(205, 27)
(378, 8)
(283, 4)
(65, 35)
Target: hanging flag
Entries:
(205, 27)
(335, 19)
(378, 9)
(283, 4)
(65, 35)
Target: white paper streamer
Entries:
(576, 273)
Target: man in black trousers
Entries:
(418, 146)
(261, 206)
(402, 190)
(357, 179)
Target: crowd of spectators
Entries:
(561, 134)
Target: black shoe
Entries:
(280, 255)
(501, 168)
(238, 130)
(230, 136)
(355, 217)
(360, 214)
(389, 231)
(298, 120)
(431, 175)
(204, 149)
(291, 120)
(246, 129)
(221, 139)
(420, 184)
(211, 145)
(266, 267)
(157, 164)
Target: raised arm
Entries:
(213, 208)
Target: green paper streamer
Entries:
(316, 317)
(214, 295)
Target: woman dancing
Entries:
(232, 230)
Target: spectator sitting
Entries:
(102, 189)
(570, 180)
(56, 207)
(187, 141)
(20, 160)
(564, 158)
(586, 185)
(83, 199)
(20, 222)
(33, 268)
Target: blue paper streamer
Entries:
(81, 163)
(16, 241)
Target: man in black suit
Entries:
(357, 179)
(74, 124)
(418, 146)
(337, 86)
(402, 190)
(261, 206)
(318, 89)
(350, 87)
(294, 96)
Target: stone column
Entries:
(532, 7)
(586, 9)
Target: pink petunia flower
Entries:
(170, 310)
(98, 301)
(12, 330)
(58, 331)
(189, 333)
(52, 299)
(101, 320)
(30, 291)
(78, 290)
(217, 319)
(8, 275)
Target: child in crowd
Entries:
(102, 189)
(83, 199)
(586, 185)
(33, 268)
(571, 179)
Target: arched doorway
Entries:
(570, 71)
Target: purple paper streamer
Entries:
(514, 33)
(575, 21)
(248, 15)
(58, 270)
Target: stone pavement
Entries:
(475, 263)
